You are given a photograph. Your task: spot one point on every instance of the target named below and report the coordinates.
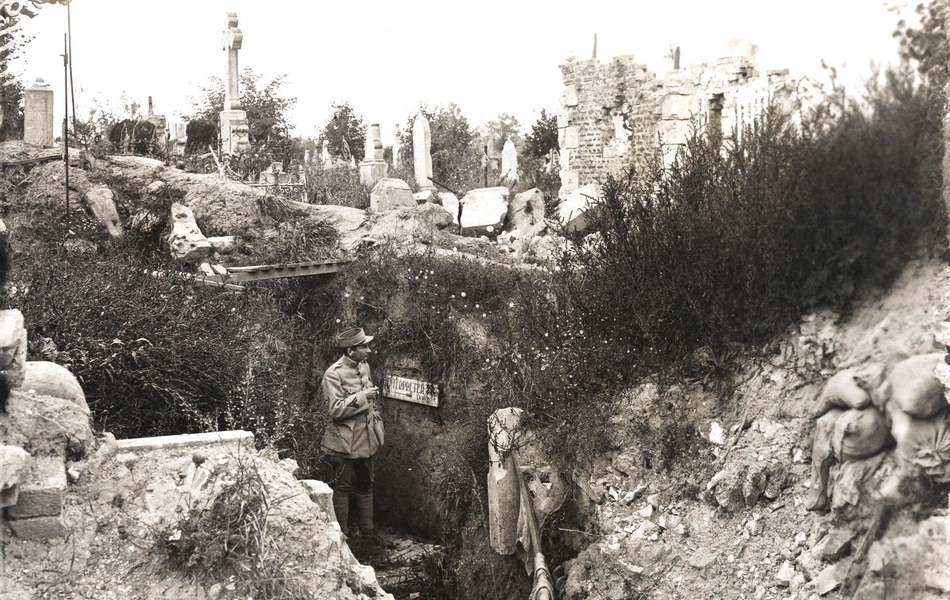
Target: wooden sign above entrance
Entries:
(411, 390)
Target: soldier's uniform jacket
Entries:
(356, 430)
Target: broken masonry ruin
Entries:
(620, 114)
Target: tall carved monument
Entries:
(38, 114)
(422, 152)
(233, 119)
(373, 167)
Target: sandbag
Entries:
(859, 433)
(850, 388)
(924, 444)
(914, 388)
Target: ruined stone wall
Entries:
(620, 114)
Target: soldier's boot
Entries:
(341, 506)
(364, 508)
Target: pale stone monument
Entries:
(397, 147)
(234, 127)
(509, 162)
(373, 167)
(325, 159)
(38, 114)
(422, 152)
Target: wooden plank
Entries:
(411, 390)
(312, 263)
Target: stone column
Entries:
(38, 114)
(373, 168)
(422, 152)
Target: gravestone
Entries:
(234, 127)
(422, 153)
(325, 157)
(373, 167)
(509, 162)
(38, 114)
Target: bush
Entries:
(155, 352)
(732, 244)
(336, 185)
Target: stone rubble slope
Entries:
(735, 521)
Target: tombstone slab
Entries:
(38, 114)
(389, 193)
(484, 211)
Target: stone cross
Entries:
(422, 152)
(231, 41)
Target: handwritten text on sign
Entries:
(410, 390)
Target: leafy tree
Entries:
(456, 155)
(503, 127)
(543, 136)
(266, 108)
(925, 46)
(345, 133)
(11, 92)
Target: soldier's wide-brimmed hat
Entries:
(352, 337)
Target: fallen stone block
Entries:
(101, 202)
(321, 494)
(484, 211)
(576, 212)
(450, 203)
(837, 544)
(830, 579)
(42, 490)
(50, 379)
(785, 574)
(12, 347)
(186, 241)
(389, 193)
(223, 244)
(14, 463)
(525, 211)
(702, 558)
(39, 528)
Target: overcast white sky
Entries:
(386, 58)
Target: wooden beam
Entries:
(263, 272)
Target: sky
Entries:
(387, 58)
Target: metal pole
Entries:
(72, 89)
(66, 118)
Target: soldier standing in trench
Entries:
(356, 430)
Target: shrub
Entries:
(731, 245)
(336, 185)
(156, 353)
